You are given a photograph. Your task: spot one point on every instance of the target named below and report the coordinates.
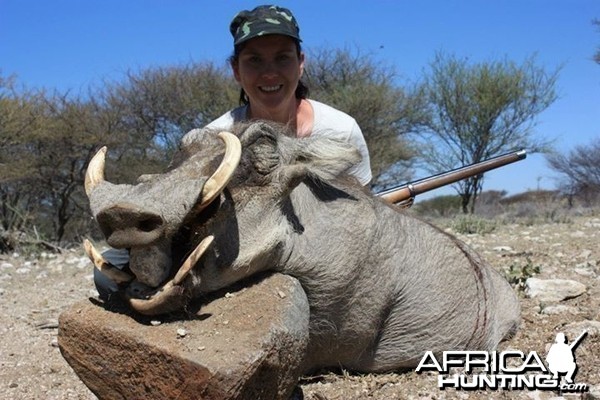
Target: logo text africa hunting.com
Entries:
(509, 369)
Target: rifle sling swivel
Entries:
(411, 191)
(411, 197)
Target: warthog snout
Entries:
(124, 226)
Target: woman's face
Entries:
(269, 68)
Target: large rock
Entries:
(574, 329)
(553, 290)
(248, 344)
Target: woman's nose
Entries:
(269, 69)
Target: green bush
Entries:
(517, 274)
(468, 224)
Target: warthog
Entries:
(383, 287)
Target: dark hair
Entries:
(302, 90)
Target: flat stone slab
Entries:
(553, 290)
(246, 344)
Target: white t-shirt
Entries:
(328, 121)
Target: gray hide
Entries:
(383, 286)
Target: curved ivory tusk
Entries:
(171, 294)
(104, 266)
(217, 182)
(192, 259)
(95, 171)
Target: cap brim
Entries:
(250, 37)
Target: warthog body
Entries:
(383, 287)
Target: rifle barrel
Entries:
(404, 192)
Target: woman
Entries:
(268, 63)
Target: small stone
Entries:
(559, 309)
(181, 333)
(506, 249)
(13, 385)
(229, 295)
(201, 348)
(594, 223)
(281, 294)
(594, 392)
(73, 260)
(155, 322)
(584, 272)
(585, 254)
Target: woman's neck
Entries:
(305, 119)
(299, 117)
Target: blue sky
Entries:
(72, 44)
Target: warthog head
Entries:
(142, 219)
(168, 221)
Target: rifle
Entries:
(406, 193)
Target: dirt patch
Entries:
(34, 291)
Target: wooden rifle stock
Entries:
(410, 190)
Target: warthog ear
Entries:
(259, 141)
(288, 160)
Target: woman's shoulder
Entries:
(326, 109)
(226, 120)
(330, 118)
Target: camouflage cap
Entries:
(263, 20)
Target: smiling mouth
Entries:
(270, 89)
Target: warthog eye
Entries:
(149, 224)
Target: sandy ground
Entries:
(34, 291)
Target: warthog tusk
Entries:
(171, 292)
(104, 266)
(192, 259)
(94, 174)
(217, 182)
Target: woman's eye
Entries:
(283, 57)
(252, 60)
